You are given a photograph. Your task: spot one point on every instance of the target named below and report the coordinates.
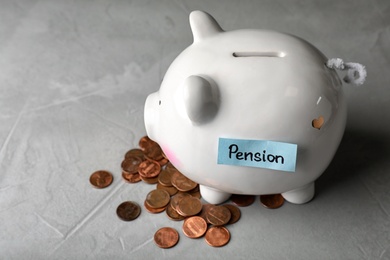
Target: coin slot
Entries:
(270, 54)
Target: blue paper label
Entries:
(258, 153)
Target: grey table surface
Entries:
(74, 76)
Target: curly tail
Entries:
(356, 73)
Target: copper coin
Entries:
(154, 152)
(131, 178)
(145, 142)
(157, 198)
(165, 177)
(149, 169)
(153, 180)
(272, 201)
(166, 237)
(177, 198)
(163, 161)
(172, 214)
(128, 210)
(135, 152)
(205, 210)
(194, 227)
(131, 164)
(182, 183)
(195, 194)
(218, 215)
(217, 236)
(189, 206)
(235, 213)
(171, 190)
(170, 167)
(165, 156)
(153, 210)
(101, 179)
(242, 200)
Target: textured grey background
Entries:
(73, 79)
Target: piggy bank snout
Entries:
(151, 114)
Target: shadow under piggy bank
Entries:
(358, 156)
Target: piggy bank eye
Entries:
(159, 102)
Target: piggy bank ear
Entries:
(203, 25)
(201, 99)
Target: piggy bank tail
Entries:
(356, 72)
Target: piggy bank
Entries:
(248, 112)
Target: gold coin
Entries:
(157, 198)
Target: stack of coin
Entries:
(178, 196)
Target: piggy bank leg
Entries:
(213, 196)
(300, 195)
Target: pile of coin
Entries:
(178, 196)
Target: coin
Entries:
(149, 169)
(235, 213)
(218, 215)
(135, 152)
(272, 201)
(154, 152)
(176, 199)
(128, 210)
(194, 227)
(172, 214)
(166, 237)
(163, 161)
(153, 180)
(181, 182)
(217, 236)
(101, 179)
(169, 166)
(165, 177)
(171, 190)
(189, 206)
(157, 198)
(195, 193)
(242, 200)
(145, 142)
(131, 164)
(153, 210)
(205, 209)
(131, 178)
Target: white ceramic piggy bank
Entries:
(248, 112)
